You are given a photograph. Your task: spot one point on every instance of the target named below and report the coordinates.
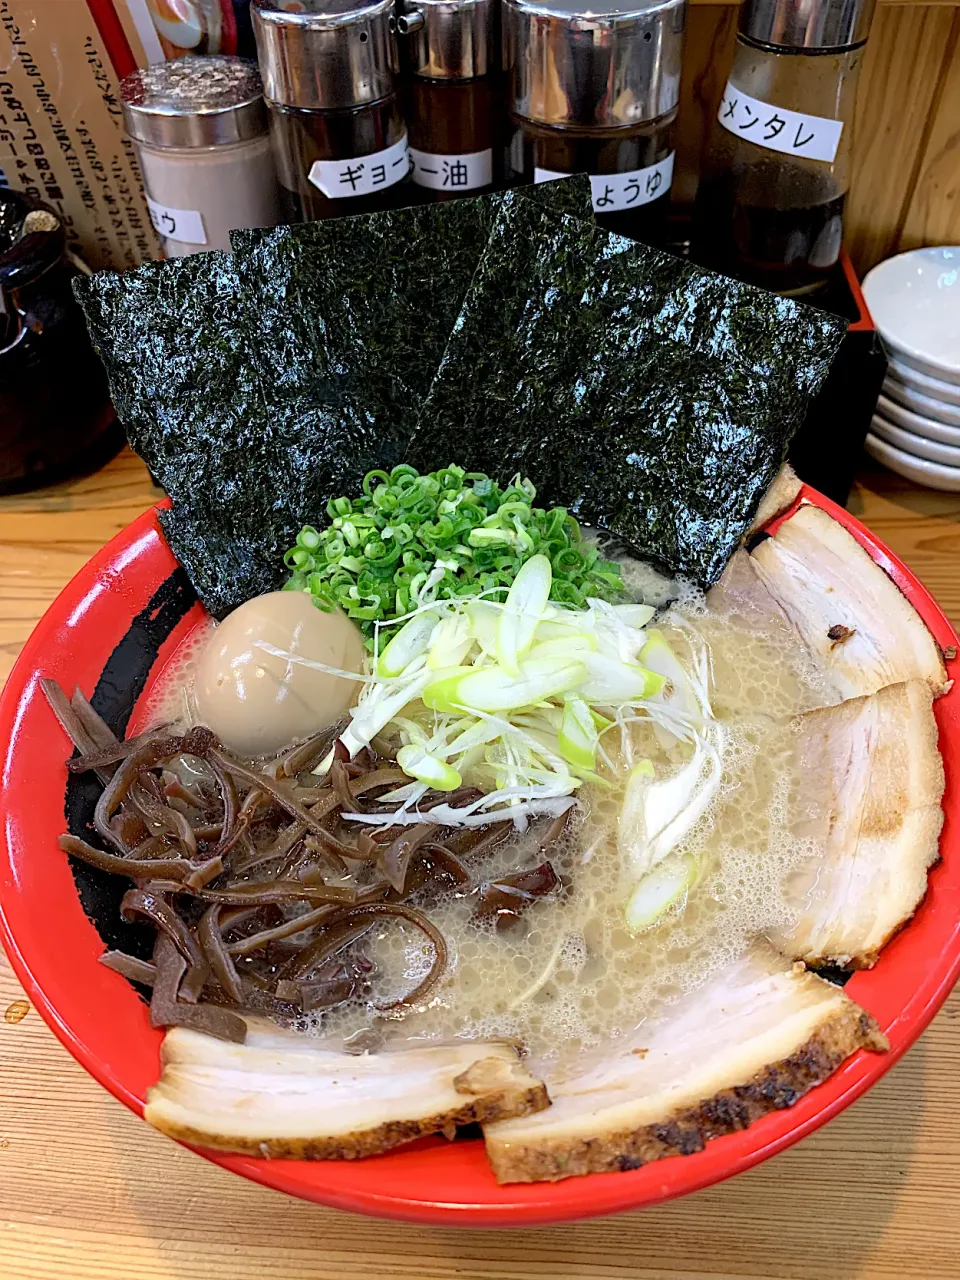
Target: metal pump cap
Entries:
(325, 55)
(194, 102)
(613, 65)
(448, 39)
(807, 24)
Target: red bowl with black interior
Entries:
(112, 631)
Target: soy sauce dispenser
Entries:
(594, 89)
(771, 199)
(329, 72)
(451, 96)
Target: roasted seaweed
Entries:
(654, 399)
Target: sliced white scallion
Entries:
(427, 768)
(525, 603)
(658, 890)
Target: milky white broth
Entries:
(573, 976)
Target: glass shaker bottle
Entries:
(594, 89)
(771, 199)
(200, 127)
(451, 97)
(329, 78)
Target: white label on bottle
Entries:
(613, 192)
(445, 172)
(793, 133)
(361, 175)
(185, 225)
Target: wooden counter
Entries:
(89, 1192)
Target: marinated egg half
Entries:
(256, 702)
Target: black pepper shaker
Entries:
(451, 96)
(329, 79)
(595, 89)
(771, 198)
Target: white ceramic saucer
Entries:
(914, 299)
(936, 388)
(925, 406)
(919, 446)
(934, 475)
(917, 423)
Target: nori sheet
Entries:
(258, 386)
(654, 399)
(508, 332)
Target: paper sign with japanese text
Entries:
(614, 192)
(466, 172)
(361, 175)
(792, 133)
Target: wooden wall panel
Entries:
(707, 55)
(933, 214)
(898, 90)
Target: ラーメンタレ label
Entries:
(361, 175)
(185, 225)
(613, 192)
(464, 172)
(793, 133)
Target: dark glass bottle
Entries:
(329, 78)
(55, 413)
(771, 199)
(451, 97)
(595, 90)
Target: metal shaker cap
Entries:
(194, 102)
(610, 65)
(449, 39)
(325, 55)
(807, 24)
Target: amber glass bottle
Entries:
(594, 89)
(329, 73)
(451, 98)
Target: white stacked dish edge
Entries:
(921, 383)
(926, 406)
(933, 475)
(918, 446)
(914, 299)
(917, 424)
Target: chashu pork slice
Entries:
(284, 1095)
(783, 493)
(851, 615)
(754, 1039)
(871, 782)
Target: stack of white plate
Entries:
(915, 303)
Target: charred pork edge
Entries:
(686, 1132)
(521, 1097)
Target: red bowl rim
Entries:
(432, 1181)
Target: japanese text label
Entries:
(361, 175)
(185, 225)
(613, 192)
(777, 129)
(452, 173)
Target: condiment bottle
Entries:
(594, 89)
(451, 96)
(55, 413)
(771, 199)
(202, 138)
(329, 77)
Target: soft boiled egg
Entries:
(258, 703)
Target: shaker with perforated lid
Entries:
(452, 95)
(594, 89)
(772, 194)
(200, 128)
(329, 72)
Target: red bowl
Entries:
(111, 631)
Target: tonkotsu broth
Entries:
(572, 976)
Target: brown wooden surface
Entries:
(905, 187)
(89, 1192)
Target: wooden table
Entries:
(89, 1192)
